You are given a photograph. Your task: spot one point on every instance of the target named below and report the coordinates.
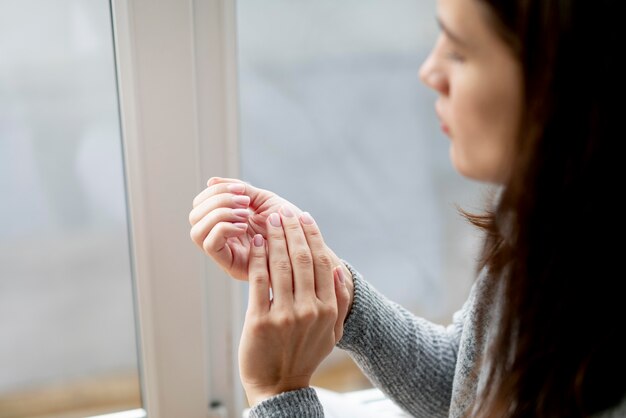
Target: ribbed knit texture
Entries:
(296, 403)
(426, 369)
(414, 361)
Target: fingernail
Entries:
(241, 200)
(241, 213)
(240, 225)
(258, 240)
(286, 211)
(342, 278)
(307, 219)
(236, 188)
(275, 219)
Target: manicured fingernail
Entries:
(236, 188)
(241, 200)
(275, 219)
(240, 225)
(307, 219)
(286, 211)
(241, 213)
(342, 278)
(258, 240)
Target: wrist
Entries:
(256, 398)
(256, 395)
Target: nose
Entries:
(433, 74)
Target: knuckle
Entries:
(307, 314)
(257, 325)
(293, 227)
(277, 236)
(196, 237)
(258, 254)
(207, 246)
(323, 260)
(282, 265)
(303, 257)
(200, 197)
(284, 320)
(329, 312)
(258, 278)
(314, 232)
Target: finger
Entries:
(279, 263)
(343, 300)
(322, 263)
(222, 200)
(300, 256)
(204, 226)
(234, 188)
(258, 277)
(215, 244)
(215, 180)
(212, 181)
(255, 193)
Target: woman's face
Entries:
(479, 82)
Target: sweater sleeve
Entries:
(408, 358)
(296, 403)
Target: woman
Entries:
(530, 95)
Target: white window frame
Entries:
(177, 84)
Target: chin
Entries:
(459, 164)
(468, 170)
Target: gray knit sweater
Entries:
(423, 367)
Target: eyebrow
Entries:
(453, 36)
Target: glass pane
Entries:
(67, 333)
(335, 119)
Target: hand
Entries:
(285, 338)
(223, 227)
(225, 217)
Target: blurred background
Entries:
(67, 331)
(333, 117)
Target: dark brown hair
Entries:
(553, 238)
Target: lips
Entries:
(444, 126)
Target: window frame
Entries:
(178, 93)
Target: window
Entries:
(67, 329)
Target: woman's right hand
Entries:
(226, 216)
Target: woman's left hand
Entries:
(286, 338)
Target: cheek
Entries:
(470, 113)
(483, 122)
